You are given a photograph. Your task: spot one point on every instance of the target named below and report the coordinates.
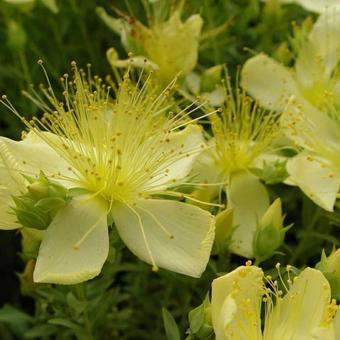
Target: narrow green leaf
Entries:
(170, 326)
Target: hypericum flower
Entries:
(168, 43)
(316, 169)
(306, 310)
(318, 6)
(122, 155)
(243, 135)
(315, 77)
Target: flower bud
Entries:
(37, 207)
(330, 267)
(272, 172)
(38, 189)
(200, 321)
(210, 78)
(170, 46)
(270, 232)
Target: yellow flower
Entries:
(306, 310)
(316, 169)
(171, 46)
(243, 136)
(121, 156)
(314, 78)
(309, 98)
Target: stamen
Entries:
(146, 243)
(157, 222)
(77, 245)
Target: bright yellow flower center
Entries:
(119, 149)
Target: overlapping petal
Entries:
(187, 143)
(75, 245)
(249, 199)
(33, 155)
(269, 82)
(236, 302)
(315, 178)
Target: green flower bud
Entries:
(200, 321)
(210, 78)
(43, 199)
(38, 189)
(330, 267)
(270, 232)
(272, 172)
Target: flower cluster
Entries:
(178, 162)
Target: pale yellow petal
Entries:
(268, 81)
(249, 199)
(33, 155)
(75, 245)
(167, 234)
(318, 6)
(315, 178)
(183, 147)
(206, 172)
(325, 37)
(236, 304)
(301, 314)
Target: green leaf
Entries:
(66, 323)
(170, 326)
(18, 322)
(40, 331)
(12, 315)
(196, 318)
(77, 305)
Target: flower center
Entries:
(120, 149)
(243, 131)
